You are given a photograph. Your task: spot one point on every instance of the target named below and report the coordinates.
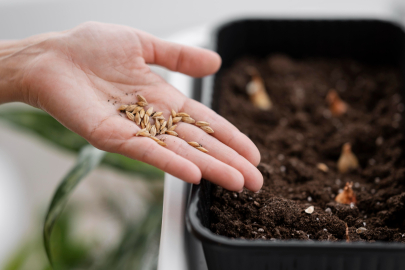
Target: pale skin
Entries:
(72, 75)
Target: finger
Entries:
(196, 62)
(117, 135)
(253, 179)
(211, 168)
(224, 131)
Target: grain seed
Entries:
(148, 127)
(170, 122)
(207, 129)
(137, 109)
(146, 119)
(153, 131)
(176, 120)
(130, 116)
(157, 124)
(309, 210)
(156, 114)
(322, 167)
(172, 128)
(141, 98)
(162, 125)
(154, 138)
(122, 107)
(194, 144)
(159, 118)
(130, 108)
(143, 125)
(142, 104)
(188, 120)
(202, 123)
(149, 111)
(182, 114)
(161, 143)
(202, 149)
(143, 133)
(173, 133)
(137, 119)
(163, 130)
(173, 113)
(142, 113)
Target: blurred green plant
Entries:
(48, 128)
(138, 246)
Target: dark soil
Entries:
(298, 133)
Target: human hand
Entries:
(81, 77)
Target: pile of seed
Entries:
(144, 117)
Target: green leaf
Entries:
(89, 158)
(51, 130)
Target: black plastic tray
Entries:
(368, 41)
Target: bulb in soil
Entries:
(347, 196)
(336, 106)
(347, 160)
(257, 92)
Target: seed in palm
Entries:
(157, 124)
(149, 111)
(163, 124)
(142, 113)
(170, 122)
(173, 113)
(156, 114)
(176, 120)
(173, 133)
(202, 149)
(122, 107)
(163, 130)
(137, 109)
(153, 131)
(143, 133)
(146, 119)
(172, 128)
(202, 123)
(188, 120)
(194, 144)
(161, 143)
(148, 127)
(130, 116)
(182, 114)
(143, 125)
(207, 129)
(154, 138)
(137, 119)
(130, 108)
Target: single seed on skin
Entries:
(149, 111)
(176, 120)
(161, 143)
(202, 123)
(202, 149)
(207, 129)
(157, 124)
(146, 119)
(170, 122)
(130, 108)
(172, 128)
(163, 130)
(130, 116)
(143, 125)
(141, 98)
(174, 113)
(173, 133)
(143, 133)
(122, 107)
(137, 119)
(182, 114)
(154, 138)
(142, 113)
(153, 131)
(188, 120)
(156, 114)
(309, 210)
(194, 144)
(322, 167)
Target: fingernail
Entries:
(240, 191)
(257, 192)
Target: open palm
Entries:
(83, 75)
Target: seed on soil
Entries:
(130, 116)
(188, 120)
(142, 113)
(153, 131)
(174, 113)
(336, 106)
(130, 108)
(137, 119)
(256, 203)
(207, 129)
(322, 167)
(161, 143)
(122, 107)
(328, 210)
(257, 91)
(202, 149)
(172, 128)
(143, 133)
(173, 133)
(309, 210)
(347, 196)
(260, 230)
(170, 122)
(194, 144)
(149, 111)
(347, 233)
(182, 114)
(347, 160)
(202, 123)
(361, 230)
(176, 120)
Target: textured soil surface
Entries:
(298, 133)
